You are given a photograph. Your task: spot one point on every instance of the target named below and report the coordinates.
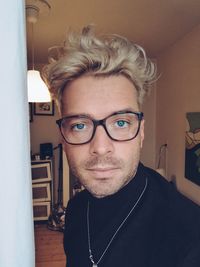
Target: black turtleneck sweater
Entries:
(163, 229)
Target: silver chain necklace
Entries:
(120, 226)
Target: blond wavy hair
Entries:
(107, 55)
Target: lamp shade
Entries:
(37, 89)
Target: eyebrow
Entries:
(112, 113)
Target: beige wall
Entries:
(178, 92)
(43, 130)
(148, 156)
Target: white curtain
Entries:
(16, 222)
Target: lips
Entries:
(103, 172)
(102, 168)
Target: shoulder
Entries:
(159, 188)
(167, 190)
(182, 211)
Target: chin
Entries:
(103, 191)
(103, 187)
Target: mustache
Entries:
(103, 161)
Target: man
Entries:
(128, 215)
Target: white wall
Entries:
(16, 224)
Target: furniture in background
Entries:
(42, 188)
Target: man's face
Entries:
(103, 166)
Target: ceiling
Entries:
(154, 24)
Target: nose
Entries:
(101, 144)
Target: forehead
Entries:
(99, 96)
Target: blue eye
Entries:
(121, 123)
(78, 127)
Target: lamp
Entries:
(37, 90)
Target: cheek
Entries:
(134, 149)
(130, 151)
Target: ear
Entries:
(142, 133)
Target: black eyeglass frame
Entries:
(102, 122)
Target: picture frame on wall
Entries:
(44, 108)
(192, 147)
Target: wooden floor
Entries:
(49, 247)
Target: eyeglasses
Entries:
(80, 129)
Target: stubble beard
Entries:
(108, 161)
